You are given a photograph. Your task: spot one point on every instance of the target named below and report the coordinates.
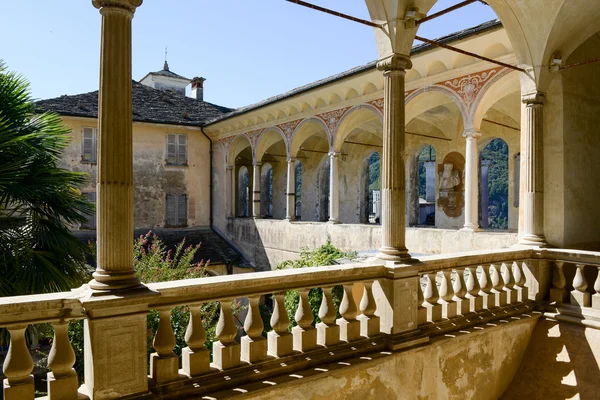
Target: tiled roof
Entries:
(149, 105)
(493, 24)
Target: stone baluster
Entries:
(369, 322)
(226, 351)
(473, 289)
(460, 292)
(558, 292)
(164, 363)
(254, 345)
(485, 287)
(522, 290)
(305, 335)
(508, 284)
(446, 293)
(430, 299)
(349, 325)
(421, 309)
(62, 381)
(328, 333)
(579, 295)
(18, 366)
(279, 340)
(195, 358)
(596, 295)
(497, 292)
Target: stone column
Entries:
(430, 178)
(115, 160)
(412, 190)
(291, 190)
(392, 165)
(256, 191)
(334, 188)
(533, 172)
(485, 192)
(230, 189)
(471, 180)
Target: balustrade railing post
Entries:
(195, 358)
(522, 290)
(446, 294)
(349, 325)
(497, 292)
(473, 289)
(254, 345)
(460, 292)
(279, 340)
(164, 363)
(305, 335)
(558, 293)
(596, 296)
(226, 351)
(508, 283)
(62, 381)
(369, 322)
(18, 366)
(328, 333)
(431, 297)
(579, 295)
(485, 287)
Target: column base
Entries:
(349, 330)
(253, 350)
(397, 255)
(279, 345)
(470, 228)
(533, 241)
(164, 369)
(226, 356)
(334, 221)
(64, 387)
(20, 391)
(304, 339)
(327, 335)
(114, 280)
(195, 362)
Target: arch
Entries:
(348, 123)
(239, 144)
(437, 96)
(369, 88)
(413, 75)
(268, 138)
(307, 128)
(436, 67)
(493, 90)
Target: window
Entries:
(176, 149)
(91, 219)
(176, 210)
(89, 145)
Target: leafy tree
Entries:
(39, 200)
(497, 152)
(374, 172)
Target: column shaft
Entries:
(256, 191)
(471, 180)
(334, 188)
(412, 190)
(115, 160)
(291, 190)
(392, 164)
(533, 172)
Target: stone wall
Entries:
(267, 242)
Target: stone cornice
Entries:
(395, 62)
(533, 98)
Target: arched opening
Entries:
(427, 185)
(243, 196)
(298, 185)
(323, 191)
(371, 203)
(493, 188)
(266, 190)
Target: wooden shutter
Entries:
(182, 210)
(171, 149)
(88, 145)
(182, 150)
(171, 211)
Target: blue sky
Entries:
(247, 50)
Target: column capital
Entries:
(257, 163)
(533, 98)
(472, 134)
(230, 168)
(291, 160)
(485, 163)
(126, 5)
(333, 154)
(395, 62)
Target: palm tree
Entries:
(39, 200)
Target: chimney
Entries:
(198, 88)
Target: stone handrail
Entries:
(448, 291)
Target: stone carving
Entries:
(467, 87)
(451, 185)
(449, 179)
(378, 104)
(332, 118)
(288, 128)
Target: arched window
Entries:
(266, 187)
(298, 184)
(371, 212)
(427, 185)
(493, 199)
(323, 182)
(243, 192)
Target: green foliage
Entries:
(325, 255)
(497, 152)
(39, 200)
(374, 172)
